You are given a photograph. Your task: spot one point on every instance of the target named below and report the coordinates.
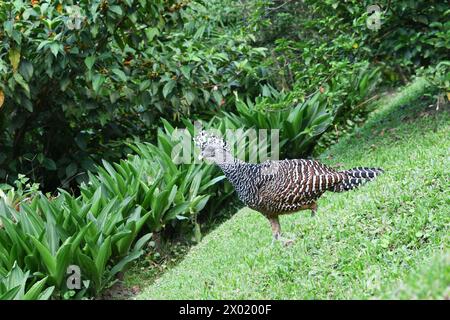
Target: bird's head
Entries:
(212, 147)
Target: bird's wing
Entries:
(293, 183)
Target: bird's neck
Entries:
(228, 163)
(242, 176)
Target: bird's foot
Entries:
(287, 242)
(313, 210)
(284, 241)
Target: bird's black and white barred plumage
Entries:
(279, 187)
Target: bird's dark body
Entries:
(287, 186)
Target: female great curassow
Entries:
(280, 187)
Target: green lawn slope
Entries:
(387, 239)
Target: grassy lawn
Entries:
(388, 239)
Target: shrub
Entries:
(23, 190)
(300, 123)
(13, 286)
(78, 79)
(305, 35)
(45, 236)
(104, 229)
(438, 76)
(327, 45)
(172, 193)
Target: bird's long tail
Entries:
(353, 178)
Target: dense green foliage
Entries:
(326, 38)
(105, 228)
(301, 122)
(385, 240)
(84, 83)
(77, 83)
(46, 235)
(174, 194)
(327, 46)
(13, 287)
(79, 80)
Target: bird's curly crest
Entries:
(205, 139)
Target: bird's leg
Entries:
(276, 231)
(313, 209)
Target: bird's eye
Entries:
(210, 152)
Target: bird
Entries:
(278, 187)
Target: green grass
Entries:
(388, 239)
